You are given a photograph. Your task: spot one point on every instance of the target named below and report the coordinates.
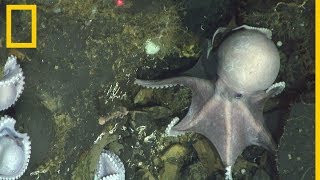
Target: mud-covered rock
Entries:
(207, 155)
(296, 151)
(156, 112)
(261, 175)
(144, 96)
(197, 171)
(173, 160)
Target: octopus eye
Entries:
(238, 95)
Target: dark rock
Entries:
(296, 151)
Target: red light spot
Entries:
(119, 2)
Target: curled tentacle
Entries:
(11, 85)
(109, 167)
(276, 89)
(265, 31)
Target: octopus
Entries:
(229, 89)
(11, 85)
(15, 147)
(109, 167)
(15, 150)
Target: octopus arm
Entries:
(11, 85)
(202, 91)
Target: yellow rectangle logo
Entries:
(33, 9)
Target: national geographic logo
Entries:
(33, 9)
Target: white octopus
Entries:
(11, 85)
(109, 167)
(15, 150)
(15, 147)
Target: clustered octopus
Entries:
(15, 147)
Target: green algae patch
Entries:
(53, 103)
